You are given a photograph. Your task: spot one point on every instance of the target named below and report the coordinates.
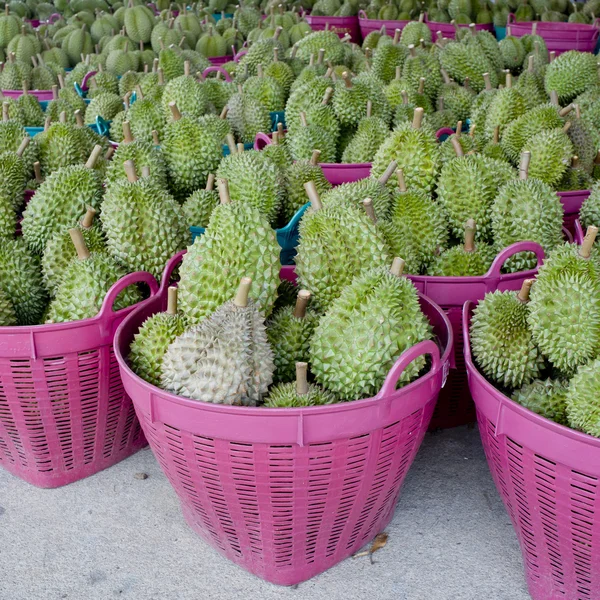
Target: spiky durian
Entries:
(199, 206)
(544, 397)
(582, 399)
(300, 393)
(551, 153)
(570, 74)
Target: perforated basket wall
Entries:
(287, 493)
(549, 479)
(63, 412)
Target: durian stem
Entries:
(161, 77)
(280, 130)
(398, 72)
(146, 171)
(186, 68)
(534, 29)
(458, 129)
(554, 98)
(563, 112)
(588, 241)
(575, 162)
(231, 143)
(530, 63)
(138, 90)
(88, 218)
(552, 55)
(210, 182)
(224, 112)
(130, 171)
(275, 138)
(172, 301)
(421, 89)
(347, 80)
(508, 80)
(277, 33)
(470, 230)
(259, 71)
(417, 118)
(126, 98)
(321, 56)
(127, 135)
(597, 158)
(301, 304)
(396, 37)
(94, 156)
(391, 169)
(457, 147)
(241, 297)
(523, 295)
(401, 181)
(440, 103)
(61, 82)
(404, 95)
(487, 81)
(397, 267)
(369, 108)
(240, 148)
(275, 54)
(174, 111)
(567, 126)
(368, 204)
(79, 118)
(445, 76)
(314, 159)
(577, 111)
(412, 51)
(155, 139)
(301, 378)
(303, 119)
(223, 187)
(473, 29)
(77, 238)
(327, 96)
(313, 195)
(47, 123)
(37, 171)
(496, 138)
(62, 118)
(524, 165)
(23, 145)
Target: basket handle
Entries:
(362, 14)
(511, 19)
(579, 235)
(86, 78)
(215, 69)
(261, 141)
(53, 17)
(596, 22)
(125, 282)
(408, 356)
(513, 249)
(567, 235)
(239, 55)
(466, 314)
(444, 131)
(169, 268)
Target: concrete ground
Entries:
(115, 536)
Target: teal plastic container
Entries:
(217, 16)
(101, 127)
(276, 118)
(500, 33)
(287, 237)
(226, 151)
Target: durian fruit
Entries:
(145, 116)
(247, 117)
(551, 153)
(421, 66)
(513, 52)
(7, 312)
(564, 313)
(526, 209)
(289, 331)
(328, 40)
(501, 339)
(546, 398)
(341, 229)
(21, 282)
(199, 206)
(589, 213)
(60, 251)
(60, 145)
(506, 106)
(457, 98)
(261, 52)
(85, 283)
(350, 101)
(299, 393)
(575, 177)
(13, 175)
(390, 57)
(226, 359)
(160, 226)
(447, 151)
(191, 153)
(281, 72)
(584, 137)
(571, 74)
(265, 90)
(364, 331)
(153, 339)
(581, 399)
(415, 149)
(30, 109)
(531, 86)
(461, 61)
(309, 136)
(237, 240)
(415, 31)
(370, 134)
(104, 105)
(61, 201)
(187, 93)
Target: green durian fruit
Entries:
(104, 105)
(59, 251)
(153, 339)
(417, 67)
(376, 90)
(526, 209)
(261, 52)
(160, 226)
(328, 40)
(571, 74)
(531, 86)
(388, 58)
(350, 101)
(7, 312)
(281, 72)
(575, 178)
(447, 150)
(12, 135)
(247, 18)
(339, 228)
(199, 206)
(370, 134)
(590, 209)
(524, 13)
(106, 81)
(171, 62)
(14, 74)
(581, 399)
(217, 125)
(457, 99)
(315, 95)
(13, 177)
(289, 331)
(145, 116)
(129, 82)
(414, 32)
(310, 136)
(24, 46)
(546, 398)
(139, 22)
(61, 201)
(298, 394)
(441, 118)
(564, 311)
(76, 43)
(413, 147)
(461, 61)
(9, 28)
(187, 93)
(191, 153)
(238, 239)
(551, 151)
(21, 281)
(85, 283)
(506, 106)
(247, 117)
(226, 359)
(585, 139)
(264, 90)
(212, 44)
(501, 339)
(375, 319)
(513, 52)
(468, 260)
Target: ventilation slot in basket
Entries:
(89, 390)
(11, 447)
(115, 403)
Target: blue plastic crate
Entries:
(226, 151)
(276, 118)
(500, 33)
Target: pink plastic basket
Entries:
(559, 37)
(455, 406)
(288, 493)
(449, 32)
(63, 412)
(339, 25)
(338, 173)
(572, 202)
(549, 479)
(39, 94)
(217, 61)
(367, 25)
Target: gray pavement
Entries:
(115, 536)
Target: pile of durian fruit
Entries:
(233, 332)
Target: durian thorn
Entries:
(412, 51)
(421, 89)
(301, 378)
(138, 91)
(368, 204)
(210, 182)
(508, 80)
(231, 143)
(23, 145)
(79, 242)
(404, 95)
(146, 171)
(473, 29)
(155, 138)
(47, 123)
(109, 153)
(397, 267)
(62, 117)
(458, 149)
(61, 81)
(301, 304)
(554, 98)
(567, 126)
(445, 76)
(223, 188)
(470, 230)
(524, 164)
(314, 159)
(563, 112)
(417, 117)
(241, 297)
(240, 148)
(496, 137)
(347, 80)
(321, 56)
(523, 295)
(487, 81)
(389, 171)
(127, 135)
(327, 96)
(130, 171)
(588, 241)
(396, 37)
(369, 108)
(54, 92)
(552, 55)
(398, 72)
(37, 171)
(88, 218)
(313, 195)
(577, 111)
(161, 77)
(530, 63)
(174, 111)
(303, 119)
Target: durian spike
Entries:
(303, 119)
(397, 267)
(487, 81)
(146, 171)
(368, 204)
(470, 229)
(47, 123)
(347, 80)
(224, 112)
(301, 378)
(457, 147)
(210, 182)
(390, 170)
(301, 304)
(421, 89)
(240, 148)
(130, 171)
(172, 301)
(523, 295)
(585, 250)
(88, 218)
(417, 118)
(524, 165)
(155, 139)
(313, 195)
(577, 111)
(23, 145)
(94, 156)
(174, 111)
(241, 297)
(231, 143)
(314, 159)
(79, 118)
(496, 138)
(530, 63)
(223, 187)
(127, 135)
(77, 238)
(554, 98)
(369, 108)
(567, 126)
(37, 171)
(62, 117)
(563, 112)
(327, 96)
